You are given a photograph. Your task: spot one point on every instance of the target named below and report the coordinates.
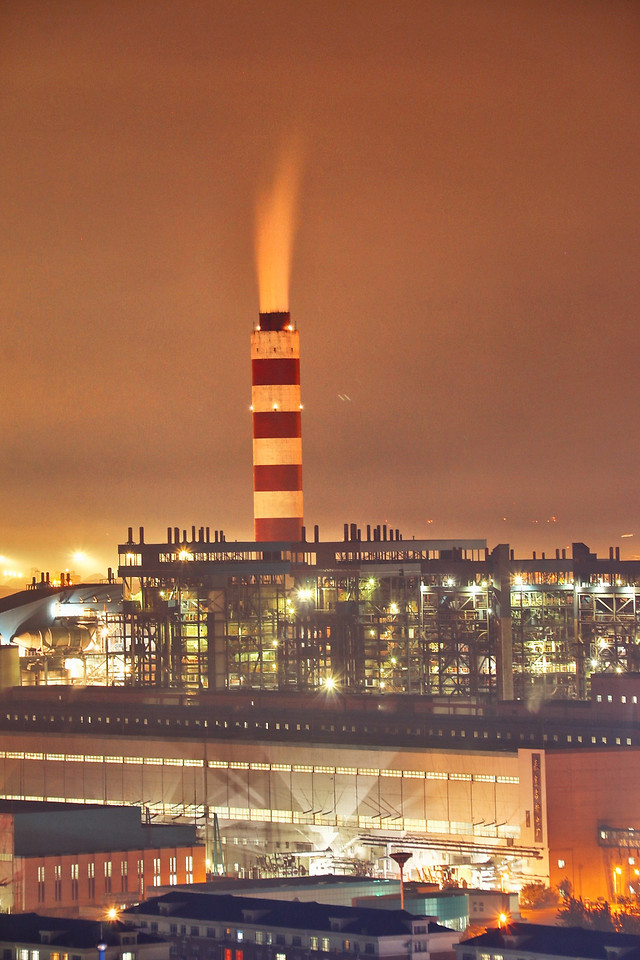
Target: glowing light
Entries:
(329, 683)
(450, 582)
(112, 913)
(79, 557)
(305, 594)
(74, 667)
(517, 580)
(184, 555)
(393, 608)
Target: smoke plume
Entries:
(275, 227)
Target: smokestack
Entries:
(277, 437)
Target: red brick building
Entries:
(71, 859)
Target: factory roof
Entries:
(45, 828)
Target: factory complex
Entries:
(314, 706)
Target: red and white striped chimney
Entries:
(277, 437)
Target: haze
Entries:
(464, 270)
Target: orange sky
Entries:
(465, 266)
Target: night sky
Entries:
(464, 267)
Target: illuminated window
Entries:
(561, 864)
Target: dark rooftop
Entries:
(558, 941)
(65, 931)
(290, 914)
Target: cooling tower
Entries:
(277, 438)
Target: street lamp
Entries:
(401, 857)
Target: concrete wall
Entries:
(586, 791)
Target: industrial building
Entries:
(365, 615)
(317, 705)
(489, 795)
(377, 614)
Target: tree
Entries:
(573, 913)
(533, 896)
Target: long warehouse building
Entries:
(492, 795)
